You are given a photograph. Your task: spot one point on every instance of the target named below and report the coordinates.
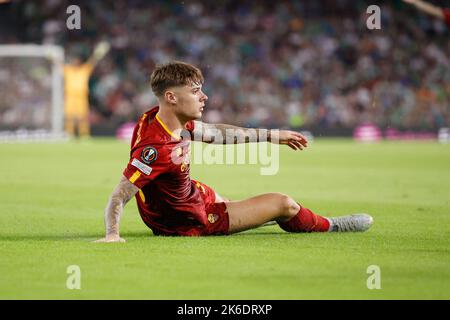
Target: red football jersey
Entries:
(159, 167)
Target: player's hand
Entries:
(101, 49)
(293, 139)
(110, 238)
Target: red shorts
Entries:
(218, 220)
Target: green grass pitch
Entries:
(52, 198)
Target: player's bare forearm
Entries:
(427, 7)
(219, 133)
(100, 50)
(124, 191)
(229, 134)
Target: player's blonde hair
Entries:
(173, 74)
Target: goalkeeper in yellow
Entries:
(76, 83)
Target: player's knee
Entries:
(287, 206)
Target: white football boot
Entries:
(351, 223)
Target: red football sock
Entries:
(305, 221)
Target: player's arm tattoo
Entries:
(228, 134)
(123, 192)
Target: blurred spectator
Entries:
(76, 81)
(273, 64)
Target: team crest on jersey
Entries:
(149, 154)
(212, 217)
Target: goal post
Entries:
(54, 128)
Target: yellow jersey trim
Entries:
(141, 194)
(135, 176)
(167, 129)
(138, 135)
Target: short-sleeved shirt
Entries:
(168, 200)
(76, 83)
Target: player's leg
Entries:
(70, 116)
(219, 198)
(69, 125)
(290, 216)
(256, 211)
(84, 127)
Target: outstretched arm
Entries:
(123, 192)
(99, 52)
(229, 134)
(428, 8)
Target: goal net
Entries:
(31, 91)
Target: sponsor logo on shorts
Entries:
(212, 217)
(149, 155)
(143, 167)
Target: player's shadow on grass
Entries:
(89, 237)
(49, 237)
(85, 237)
(249, 233)
(244, 233)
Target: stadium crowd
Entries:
(269, 64)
